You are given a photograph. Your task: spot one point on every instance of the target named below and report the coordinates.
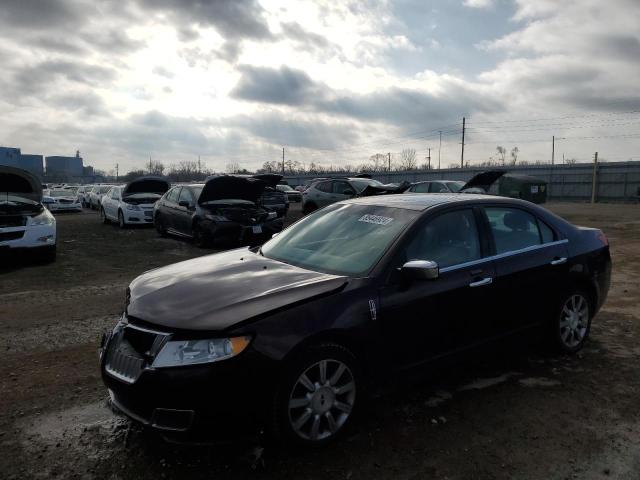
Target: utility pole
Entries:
(283, 161)
(553, 150)
(389, 154)
(462, 155)
(116, 172)
(439, 148)
(594, 178)
(199, 166)
(429, 157)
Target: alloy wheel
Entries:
(322, 400)
(574, 320)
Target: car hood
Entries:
(148, 184)
(219, 291)
(390, 188)
(225, 187)
(20, 183)
(483, 180)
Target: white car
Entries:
(95, 197)
(24, 222)
(62, 201)
(132, 204)
(83, 194)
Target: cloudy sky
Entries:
(332, 81)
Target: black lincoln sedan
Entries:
(286, 336)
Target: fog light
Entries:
(46, 239)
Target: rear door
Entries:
(170, 208)
(425, 319)
(531, 267)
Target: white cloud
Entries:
(479, 3)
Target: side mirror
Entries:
(184, 203)
(420, 270)
(349, 191)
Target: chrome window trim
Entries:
(502, 255)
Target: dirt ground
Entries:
(523, 415)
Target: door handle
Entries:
(559, 261)
(480, 283)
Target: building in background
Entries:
(10, 156)
(32, 163)
(64, 167)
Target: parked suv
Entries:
(328, 191)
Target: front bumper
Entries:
(223, 400)
(138, 217)
(28, 237)
(238, 233)
(64, 207)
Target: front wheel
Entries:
(158, 222)
(103, 217)
(317, 397)
(121, 222)
(200, 237)
(571, 327)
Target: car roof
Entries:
(422, 201)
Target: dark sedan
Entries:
(286, 336)
(224, 209)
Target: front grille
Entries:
(131, 350)
(4, 236)
(13, 221)
(64, 200)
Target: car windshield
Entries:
(362, 183)
(455, 186)
(331, 240)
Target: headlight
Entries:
(132, 207)
(216, 218)
(44, 218)
(193, 352)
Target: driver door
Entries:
(426, 319)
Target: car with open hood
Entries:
(224, 209)
(132, 204)
(288, 336)
(325, 192)
(24, 222)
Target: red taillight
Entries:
(603, 238)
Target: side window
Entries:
(546, 234)
(114, 193)
(185, 196)
(324, 187)
(437, 187)
(513, 229)
(449, 239)
(421, 188)
(173, 195)
(340, 187)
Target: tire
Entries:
(103, 217)
(316, 411)
(121, 222)
(200, 237)
(572, 323)
(308, 208)
(160, 227)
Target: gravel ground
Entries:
(522, 415)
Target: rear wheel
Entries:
(571, 328)
(317, 398)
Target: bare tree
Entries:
(155, 168)
(407, 159)
(514, 155)
(502, 152)
(233, 167)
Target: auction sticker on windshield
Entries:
(376, 219)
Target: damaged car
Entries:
(224, 209)
(506, 184)
(325, 192)
(132, 204)
(288, 336)
(25, 224)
